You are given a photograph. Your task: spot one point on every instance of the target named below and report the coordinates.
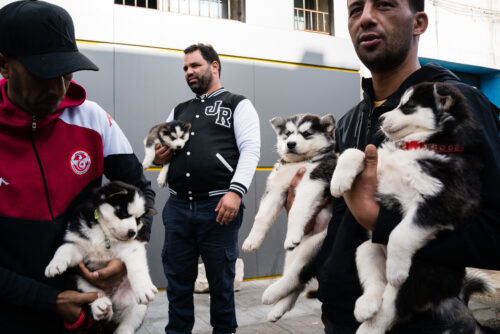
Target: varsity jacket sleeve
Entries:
(170, 117)
(477, 242)
(247, 133)
(120, 162)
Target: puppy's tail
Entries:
(476, 281)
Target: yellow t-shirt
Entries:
(378, 103)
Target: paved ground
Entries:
(303, 319)
(251, 314)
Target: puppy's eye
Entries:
(288, 133)
(410, 105)
(306, 134)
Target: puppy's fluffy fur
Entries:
(303, 141)
(100, 230)
(428, 171)
(173, 134)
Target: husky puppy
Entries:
(303, 141)
(173, 134)
(428, 171)
(101, 229)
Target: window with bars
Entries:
(314, 16)
(220, 9)
(139, 3)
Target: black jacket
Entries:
(206, 164)
(477, 244)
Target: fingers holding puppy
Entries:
(163, 154)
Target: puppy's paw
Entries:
(271, 295)
(251, 244)
(341, 182)
(162, 182)
(367, 328)
(349, 165)
(366, 307)
(339, 185)
(102, 309)
(397, 270)
(275, 314)
(56, 267)
(148, 161)
(293, 239)
(145, 292)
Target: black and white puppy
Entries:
(428, 171)
(303, 141)
(100, 230)
(173, 134)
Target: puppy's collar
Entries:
(440, 148)
(107, 243)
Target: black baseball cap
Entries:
(41, 36)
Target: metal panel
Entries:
(284, 90)
(148, 84)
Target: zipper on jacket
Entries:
(33, 129)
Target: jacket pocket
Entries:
(224, 162)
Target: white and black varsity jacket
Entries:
(223, 148)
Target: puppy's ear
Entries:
(188, 126)
(328, 123)
(117, 193)
(442, 97)
(277, 123)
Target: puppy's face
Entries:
(175, 134)
(303, 136)
(424, 110)
(121, 209)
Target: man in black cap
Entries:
(56, 145)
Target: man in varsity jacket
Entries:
(55, 147)
(207, 180)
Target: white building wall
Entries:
(459, 31)
(463, 31)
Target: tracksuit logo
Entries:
(3, 182)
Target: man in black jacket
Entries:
(385, 35)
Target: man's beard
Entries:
(201, 86)
(385, 60)
(390, 56)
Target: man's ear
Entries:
(4, 66)
(420, 23)
(215, 67)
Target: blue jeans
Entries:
(191, 231)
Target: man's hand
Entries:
(69, 304)
(228, 207)
(163, 154)
(361, 198)
(106, 277)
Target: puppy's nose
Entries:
(381, 118)
(131, 233)
(179, 147)
(291, 144)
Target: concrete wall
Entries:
(139, 87)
